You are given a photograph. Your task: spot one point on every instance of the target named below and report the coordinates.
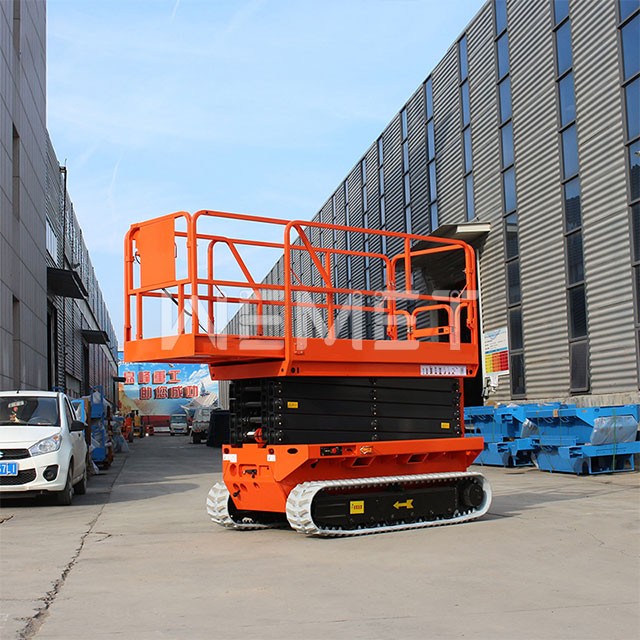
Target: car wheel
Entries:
(81, 487)
(64, 497)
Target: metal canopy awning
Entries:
(471, 232)
(94, 336)
(65, 283)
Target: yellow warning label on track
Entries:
(292, 405)
(445, 425)
(356, 506)
(404, 505)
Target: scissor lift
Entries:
(346, 403)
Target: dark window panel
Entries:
(634, 170)
(635, 231)
(465, 103)
(560, 10)
(380, 151)
(516, 370)
(567, 100)
(429, 98)
(469, 204)
(572, 212)
(383, 215)
(513, 283)
(381, 181)
(569, 152)
(501, 15)
(577, 312)
(363, 170)
(407, 219)
(405, 155)
(563, 48)
(506, 136)
(579, 366)
(504, 89)
(431, 141)
(403, 121)
(575, 259)
(631, 47)
(511, 234)
(462, 56)
(503, 55)
(433, 192)
(627, 7)
(636, 273)
(632, 101)
(364, 198)
(509, 186)
(515, 329)
(466, 147)
(434, 217)
(407, 189)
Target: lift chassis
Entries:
(346, 405)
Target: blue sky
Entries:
(253, 106)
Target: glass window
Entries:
(579, 366)
(466, 147)
(407, 189)
(433, 194)
(431, 141)
(572, 213)
(560, 10)
(511, 233)
(513, 282)
(563, 47)
(504, 89)
(462, 56)
(631, 47)
(567, 100)
(577, 312)
(363, 170)
(383, 214)
(501, 16)
(509, 185)
(516, 370)
(632, 99)
(515, 329)
(381, 180)
(470, 209)
(506, 135)
(405, 155)
(364, 198)
(346, 191)
(627, 7)
(465, 103)
(434, 217)
(634, 170)
(569, 152)
(407, 219)
(635, 231)
(575, 261)
(428, 90)
(380, 151)
(503, 55)
(403, 119)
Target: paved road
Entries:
(137, 558)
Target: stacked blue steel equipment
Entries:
(99, 434)
(557, 437)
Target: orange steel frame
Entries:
(150, 259)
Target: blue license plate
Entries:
(8, 468)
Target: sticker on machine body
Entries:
(443, 370)
(230, 457)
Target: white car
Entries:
(42, 446)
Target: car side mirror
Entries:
(77, 425)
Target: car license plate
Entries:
(8, 468)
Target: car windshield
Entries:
(28, 410)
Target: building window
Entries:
(467, 151)
(405, 171)
(503, 55)
(383, 220)
(630, 46)
(579, 378)
(15, 178)
(51, 242)
(431, 156)
(504, 97)
(501, 16)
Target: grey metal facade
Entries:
(553, 165)
(46, 340)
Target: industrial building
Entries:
(524, 140)
(55, 329)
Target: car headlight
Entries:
(52, 443)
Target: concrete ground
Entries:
(137, 557)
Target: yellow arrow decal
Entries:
(407, 505)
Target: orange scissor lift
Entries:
(346, 405)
